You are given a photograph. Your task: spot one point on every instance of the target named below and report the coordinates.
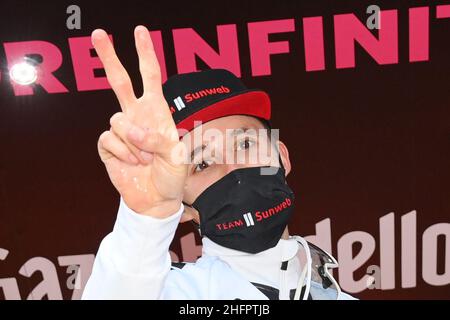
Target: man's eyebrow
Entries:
(238, 131)
(197, 150)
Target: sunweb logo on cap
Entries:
(191, 96)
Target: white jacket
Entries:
(133, 262)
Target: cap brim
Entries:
(251, 103)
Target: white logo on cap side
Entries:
(179, 103)
(249, 219)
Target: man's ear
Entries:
(189, 214)
(284, 155)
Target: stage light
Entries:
(23, 73)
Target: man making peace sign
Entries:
(192, 149)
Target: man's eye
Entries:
(245, 144)
(201, 166)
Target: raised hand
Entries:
(142, 153)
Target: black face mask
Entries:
(246, 210)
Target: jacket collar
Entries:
(263, 267)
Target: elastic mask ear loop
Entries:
(279, 159)
(281, 164)
(195, 224)
(306, 271)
